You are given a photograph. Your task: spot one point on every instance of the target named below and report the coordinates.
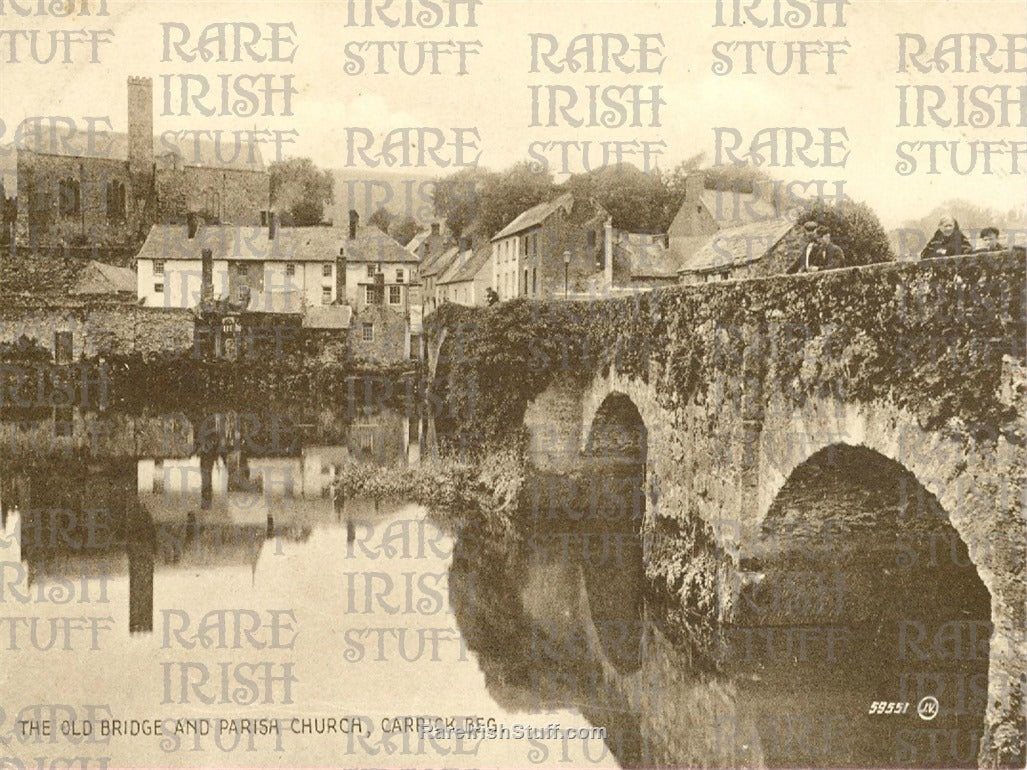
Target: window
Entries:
(115, 201)
(534, 244)
(399, 275)
(534, 280)
(326, 270)
(591, 239)
(326, 295)
(395, 295)
(369, 294)
(290, 269)
(370, 271)
(69, 199)
(158, 267)
(367, 332)
(158, 288)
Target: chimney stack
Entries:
(272, 225)
(695, 183)
(608, 252)
(207, 272)
(192, 223)
(354, 220)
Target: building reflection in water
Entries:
(87, 495)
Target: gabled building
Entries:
(752, 250)
(274, 269)
(704, 213)
(82, 186)
(551, 249)
(469, 277)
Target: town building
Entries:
(468, 279)
(551, 249)
(752, 250)
(80, 186)
(704, 212)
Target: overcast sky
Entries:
(495, 97)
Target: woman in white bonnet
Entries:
(948, 241)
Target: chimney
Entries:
(192, 223)
(140, 130)
(434, 228)
(272, 225)
(695, 183)
(207, 280)
(608, 252)
(354, 220)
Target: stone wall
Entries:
(389, 336)
(40, 222)
(231, 196)
(98, 328)
(739, 383)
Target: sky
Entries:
(334, 111)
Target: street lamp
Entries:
(566, 268)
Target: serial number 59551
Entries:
(888, 707)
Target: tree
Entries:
(483, 201)
(300, 191)
(855, 227)
(381, 218)
(404, 228)
(638, 202)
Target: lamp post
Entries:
(566, 269)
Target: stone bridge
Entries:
(724, 393)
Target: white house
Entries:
(273, 269)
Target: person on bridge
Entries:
(812, 250)
(948, 241)
(989, 240)
(830, 256)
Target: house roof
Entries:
(442, 263)
(536, 215)
(294, 244)
(99, 278)
(113, 145)
(470, 264)
(737, 246)
(327, 317)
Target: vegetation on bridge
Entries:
(927, 336)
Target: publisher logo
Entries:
(927, 708)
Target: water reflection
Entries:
(554, 622)
(87, 495)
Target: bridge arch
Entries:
(972, 486)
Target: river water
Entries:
(184, 589)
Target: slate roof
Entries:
(536, 215)
(737, 246)
(327, 317)
(294, 244)
(469, 264)
(441, 264)
(113, 145)
(99, 278)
